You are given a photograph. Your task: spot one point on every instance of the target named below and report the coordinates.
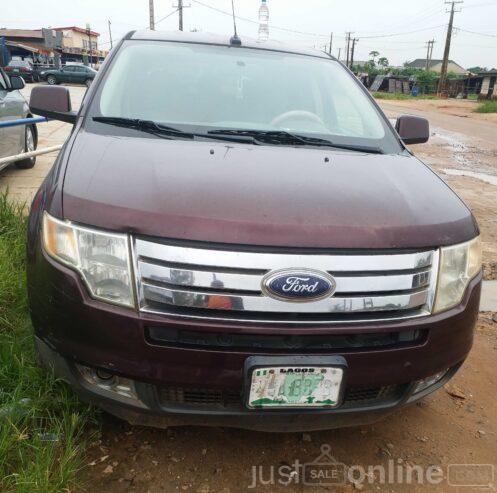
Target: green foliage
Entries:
(487, 107)
(477, 69)
(383, 62)
(41, 420)
(426, 81)
(400, 96)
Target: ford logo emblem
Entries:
(298, 285)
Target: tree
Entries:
(426, 80)
(383, 62)
(374, 54)
(477, 70)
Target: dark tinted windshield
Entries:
(220, 87)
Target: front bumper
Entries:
(72, 328)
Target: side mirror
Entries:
(413, 129)
(16, 83)
(53, 102)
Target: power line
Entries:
(252, 21)
(474, 32)
(166, 16)
(403, 33)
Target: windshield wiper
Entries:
(143, 125)
(278, 137)
(166, 131)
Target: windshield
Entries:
(209, 87)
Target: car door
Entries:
(12, 107)
(80, 75)
(67, 74)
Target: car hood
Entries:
(260, 195)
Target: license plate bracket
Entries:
(296, 367)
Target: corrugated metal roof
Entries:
(21, 33)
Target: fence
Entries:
(5, 161)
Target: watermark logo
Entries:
(326, 471)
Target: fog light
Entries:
(429, 381)
(107, 383)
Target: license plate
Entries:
(284, 386)
(16, 70)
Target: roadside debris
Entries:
(455, 391)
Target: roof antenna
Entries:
(235, 40)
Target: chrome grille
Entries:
(226, 284)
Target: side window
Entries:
(69, 69)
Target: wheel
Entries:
(30, 145)
(88, 82)
(51, 80)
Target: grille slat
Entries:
(227, 284)
(208, 398)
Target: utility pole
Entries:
(339, 53)
(110, 34)
(348, 47)
(429, 53)
(180, 10)
(88, 32)
(331, 43)
(443, 75)
(354, 41)
(152, 17)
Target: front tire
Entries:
(29, 145)
(51, 80)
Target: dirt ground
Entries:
(463, 151)
(456, 425)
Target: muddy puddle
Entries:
(480, 176)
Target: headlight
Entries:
(458, 265)
(102, 259)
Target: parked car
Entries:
(13, 106)
(235, 235)
(72, 74)
(23, 68)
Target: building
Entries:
(80, 45)
(35, 44)
(59, 45)
(436, 66)
(488, 89)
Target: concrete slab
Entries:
(489, 297)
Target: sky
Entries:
(398, 29)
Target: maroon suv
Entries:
(236, 235)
